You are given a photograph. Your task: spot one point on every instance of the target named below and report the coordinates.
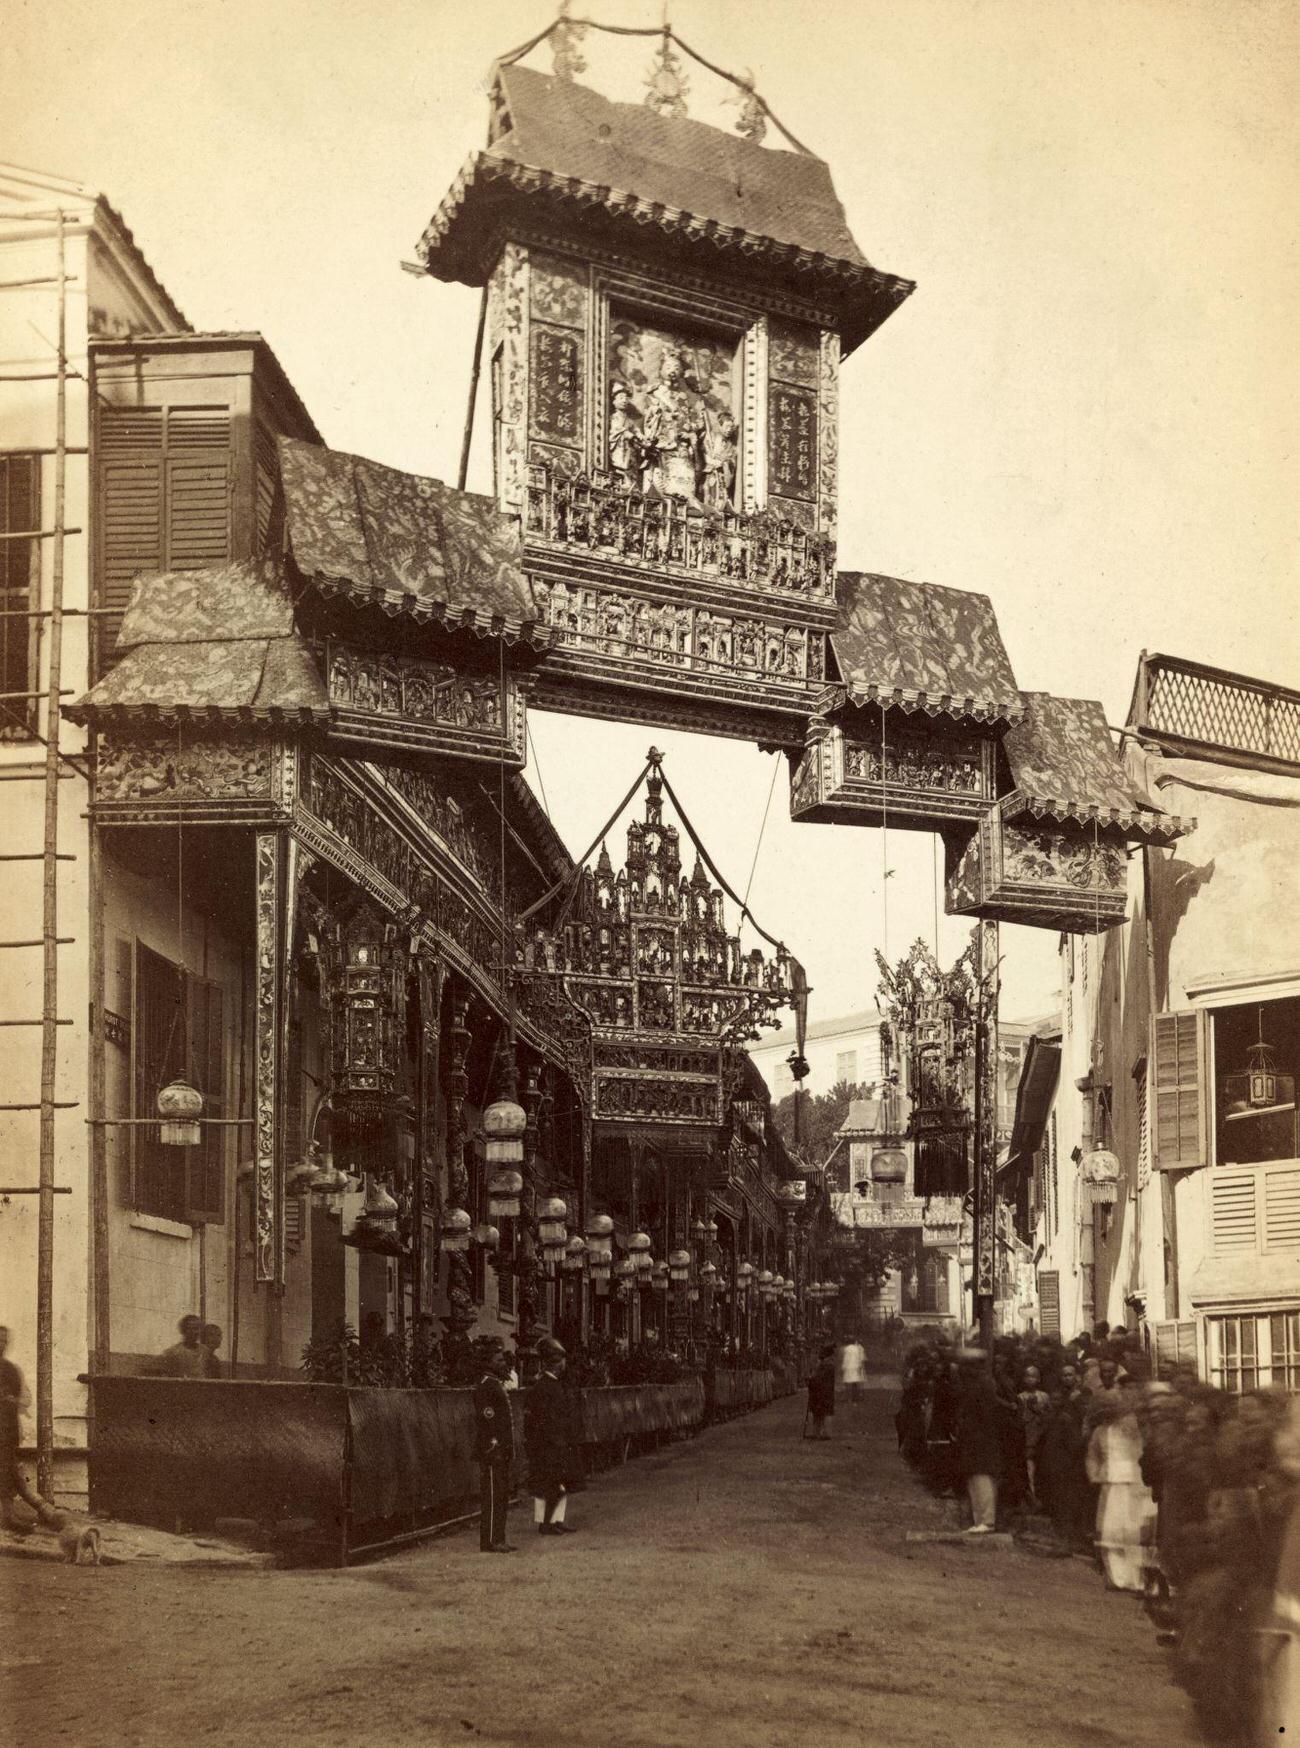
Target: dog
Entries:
(80, 1544)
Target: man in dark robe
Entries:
(979, 1440)
(548, 1435)
(821, 1394)
(494, 1437)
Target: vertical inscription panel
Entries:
(555, 384)
(792, 443)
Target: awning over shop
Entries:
(1064, 767)
(921, 647)
(1038, 1077)
(376, 536)
(629, 166)
(215, 642)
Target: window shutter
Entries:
(1282, 1208)
(1176, 1055)
(267, 469)
(159, 1033)
(198, 487)
(1049, 1301)
(20, 575)
(1175, 1345)
(1234, 1213)
(1144, 1133)
(130, 506)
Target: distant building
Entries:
(846, 1048)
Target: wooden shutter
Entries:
(1049, 1301)
(1281, 1207)
(165, 477)
(205, 1192)
(1234, 1213)
(1175, 1345)
(158, 1185)
(1177, 1084)
(20, 574)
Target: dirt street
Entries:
(745, 1588)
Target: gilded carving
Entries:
(673, 415)
(913, 762)
(828, 432)
(415, 690)
(507, 320)
(164, 767)
(266, 1221)
(1062, 858)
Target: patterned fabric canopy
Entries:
(1064, 766)
(630, 165)
(409, 544)
(219, 641)
(922, 647)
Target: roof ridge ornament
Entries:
(567, 60)
(667, 79)
(751, 123)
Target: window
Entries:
(1255, 1351)
(1256, 1057)
(846, 1067)
(1255, 1210)
(178, 1032)
(20, 580)
(164, 477)
(1049, 1302)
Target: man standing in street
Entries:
(853, 1368)
(979, 1441)
(547, 1433)
(494, 1435)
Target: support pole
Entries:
(986, 1130)
(50, 924)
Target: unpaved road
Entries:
(742, 1590)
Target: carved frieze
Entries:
(508, 339)
(172, 767)
(1047, 875)
(917, 777)
(429, 705)
(267, 1200)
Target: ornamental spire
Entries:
(752, 120)
(666, 79)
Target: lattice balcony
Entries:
(1194, 706)
(591, 513)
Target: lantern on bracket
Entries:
(552, 1217)
(679, 1266)
(660, 1276)
(600, 1239)
(486, 1237)
(765, 1284)
(180, 1106)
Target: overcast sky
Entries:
(1087, 410)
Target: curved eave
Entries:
(967, 709)
(482, 169)
(396, 603)
(1137, 823)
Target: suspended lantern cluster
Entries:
(930, 1032)
(647, 955)
(820, 1291)
(600, 1250)
(552, 1229)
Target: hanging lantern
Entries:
(625, 1274)
(600, 1239)
(504, 1123)
(375, 1228)
(765, 1283)
(1099, 1174)
(551, 1218)
(660, 1277)
(456, 1229)
(639, 1243)
(708, 1276)
(644, 1263)
(711, 1230)
(693, 1295)
(504, 1190)
(180, 1106)
(1261, 1075)
(575, 1255)
(889, 1165)
(487, 1237)
(699, 1231)
(744, 1277)
(679, 1265)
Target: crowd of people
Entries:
(1180, 1492)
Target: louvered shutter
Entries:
(1175, 1345)
(1281, 1207)
(198, 487)
(1049, 1302)
(1234, 1213)
(131, 456)
(1176, 1055)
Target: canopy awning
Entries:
(1039, 1073)
(921, 647)
(410, 545)
(1064, 766)
(215, 642)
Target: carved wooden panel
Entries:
(1045, 875)
(916, 776)
(382, 699)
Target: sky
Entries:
(1088, 410)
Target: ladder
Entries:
(49, 940)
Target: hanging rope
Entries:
(571, 880)
(934, 868)
(776, 765)
(884, 838)
(668, 35)
(537, 766)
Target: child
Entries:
(1035, 1406)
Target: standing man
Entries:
(821, 1394)
(979, 1440)
(494, 1435)
(15, 1401)
(547, 1433)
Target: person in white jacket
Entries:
(1125, 1509)
(853, 1367)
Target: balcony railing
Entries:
(1190, 705)
(591, 513)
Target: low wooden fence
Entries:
(333, 1471)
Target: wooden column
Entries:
(986, 1130)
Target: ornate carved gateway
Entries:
(665, 417)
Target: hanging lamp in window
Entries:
(1258, 1090)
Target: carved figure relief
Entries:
(673, 412)
(1057, 858)
(913, 762)
(157, 769)
(407, 687)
